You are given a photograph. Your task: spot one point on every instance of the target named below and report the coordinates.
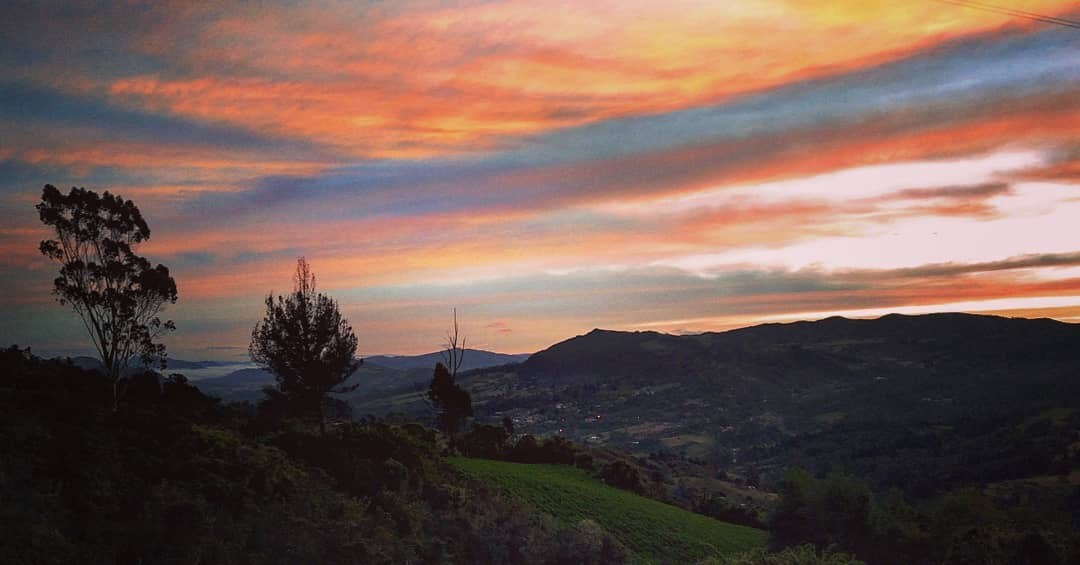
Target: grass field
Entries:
(654, 531)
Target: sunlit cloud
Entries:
(686, 166)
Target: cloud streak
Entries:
(549, 169)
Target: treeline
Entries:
(494, 442)
(961, 527)
(929, 457)
(174, 476)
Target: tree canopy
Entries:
(117, 294)
(306, 343)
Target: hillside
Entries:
(654, 531)
(174, 476)
(918, 402)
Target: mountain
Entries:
(378, 376)
(247, 384)
(180, 364)
(804, 352)
(87, 363)
(93, 364)
(473, 359)
(919, 402)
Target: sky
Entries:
(550, 167)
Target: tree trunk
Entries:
(322, 418)
(114, 406)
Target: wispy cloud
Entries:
(684, 166)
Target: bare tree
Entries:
(453, 353)
(450, 403)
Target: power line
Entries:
(1013, 12)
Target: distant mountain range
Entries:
(379, 375)
(174, 365)
(946, 397)
(473, 359)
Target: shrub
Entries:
(621, 474)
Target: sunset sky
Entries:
(551, 167)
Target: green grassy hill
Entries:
(654, 531)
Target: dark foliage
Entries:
(453, 405)
(486, 441)
(965, 526)
(622, 475)
(718, 507)
(526, 450)
(171, 478)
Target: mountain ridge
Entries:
(943, 389)
(379, 374)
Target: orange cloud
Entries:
(415, 81)
(1045, 122)
(399, 80)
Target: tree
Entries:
(452, 404)
(306, 343)
(117, 294)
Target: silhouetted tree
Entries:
(306, 343)
(452, 404)
(117, 294)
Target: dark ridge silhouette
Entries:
(473, 359)
(990, 339)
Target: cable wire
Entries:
(1013, 12)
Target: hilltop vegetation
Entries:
(652, 530)
(175, 476)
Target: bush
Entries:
(621, 474)
(485, 441)
(526, 450)
(584, 461)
